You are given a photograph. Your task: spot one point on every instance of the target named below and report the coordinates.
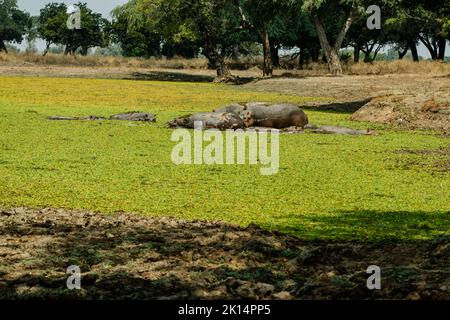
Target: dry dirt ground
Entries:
(405, 100)
(126, 256)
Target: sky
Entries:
(102, 6)
(105, 6)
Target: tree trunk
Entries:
(84, 51)
(275, 55)
(216, 58)
(432, 48)
(315, 54)
(301, 58)
(267, 67)
(442, 42)
(368, 52)
(222, 69)
(402, 53)
(332, 56)
(47, 48)
(376, 52)
(216, 61)
(367, 58)
(356, 54)
(414, 52)
(332, 52)
(3, 47)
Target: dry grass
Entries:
(100, 61)
(289, 66)
(399, 67)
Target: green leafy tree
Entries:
(403, 34)
(433, 16)
(366, 41)
(210, 24)
(94, 32)
(53, 28)
(300, 33)
(52, 24)
(339, 13)
(135, 41)
(14, 23)
(262, 18)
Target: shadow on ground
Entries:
(126, 256)
(170, 76)
(339, 107)
(182, 77)
(368, 225)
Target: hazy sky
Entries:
(105, 7)
(102, 6)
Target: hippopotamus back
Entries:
(232, 108)
(278, 116)
(134, 116)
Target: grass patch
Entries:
(329, 187)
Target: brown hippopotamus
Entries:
(277, 116)
(210, 120)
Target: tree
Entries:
(211, 24)
(135, 41)
(53, 28)
(366, 41)
(302, 34)
(433, 16)
(403, 33)
(342, 12)
(259, 16)
(446, 28)
(94, 32)
(14, 23)
(214, 24)
(52, 23)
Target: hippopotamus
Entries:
(91, 118)
(134, 116)
(233, 108)
(216, 120)
(277, 116)
(129, 116)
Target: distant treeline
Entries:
(310, 30)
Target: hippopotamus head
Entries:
(248, 118)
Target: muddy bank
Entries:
(420, 111)
(127, 256)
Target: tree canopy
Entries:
(14, 23)
(53, 28)
(314, 30)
